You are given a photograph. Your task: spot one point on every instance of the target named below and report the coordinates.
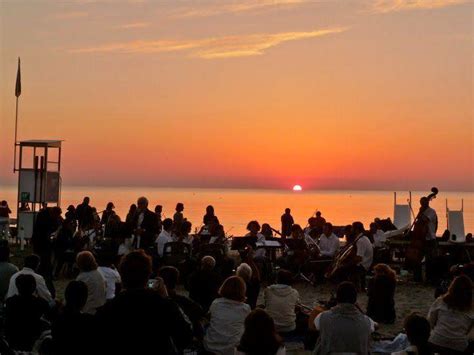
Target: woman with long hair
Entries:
(260, 336)
(381, 293)
(451, 317)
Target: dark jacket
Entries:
(203, 287)
(150, 226)
(73, 333)
(381, 305)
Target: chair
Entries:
(217, 251)
(455, 221)
(401, 217)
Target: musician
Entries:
(267, 231)
(145, 224)
(296, 252)
(328, 242)
(319, 222)
(286, 223)
(254, 231)
(427, 216)
(365, 252)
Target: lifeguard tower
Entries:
(39, 181)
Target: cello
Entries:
(417, 235)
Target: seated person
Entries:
(344, 328)
(122, 320)
(165, 236)
(251, 278)
(260, 336)
(280, 302)
(254, 231)
(228, 313)
(113, 282)
(267, 231)
(90, 275)
(192, 309)
(378, 235)
(203, 284)
(381, 293)
(23, 313)
(328, 242)
(418, 330)
(73, 332)
(7, 270)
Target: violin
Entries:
(417, 234)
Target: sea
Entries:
(236, 207)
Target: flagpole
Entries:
(16, 133)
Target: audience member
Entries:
(7, 270)
(381, 293)
(204, 283)
(228, 313)
(95, 282)
(113, 282)
(451, 317)
(417, 329)
(260, 336)
(252, 282)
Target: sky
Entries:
(342, 94)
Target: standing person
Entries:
(7, 270)
(344, 328)
(84, 214)
(319, 222)
(428, 218)
(4, 220)
(158, 213)
(131, 213)
(178, 217)
(381, 293)
(73, 331)
(95, 282)
(452, 317)
(210, 219)
(260, 336)
(122, 321)
(109, 211)
(47, 222)
(228, 313)
(146, 225)
(287, 222)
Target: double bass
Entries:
(417, 234)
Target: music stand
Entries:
(240, 243)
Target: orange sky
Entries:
(370, 94)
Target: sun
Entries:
(297, 188)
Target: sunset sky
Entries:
(349, 94)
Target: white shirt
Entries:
(432, 217)
(41, 289)
(365, 251)
(112, 277)
(163, 238)
(328, 245)
(317, 322)
(96, 290)
(379, 238)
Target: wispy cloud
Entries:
(70, 15)
(134, 25)
(209, 48)
(234, 7)
(385, 6)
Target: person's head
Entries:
(110, 206)
(133, 208)
(31, 262)
(296, 231)
(210, 210)
(186, 227)
(424, 202)
(312, 222)
(167, 224)
(86, 200)
(75, 295)
(71, 208)
(267, 229)
(385, 270)
(287, 211)
(4, 252)
(26, 285)
(244, 271)
(170, 276)
(373, 227)
(327, 229)
(4, 203)
(318, 214)
(284, 277)
(135, 270)
(217, 230)
(85, 261)
(208, 263)
(459, 296)
(233, 288)
(179, 207)
(253, 227)
(346, 293)
(142, 203)
(56, 212)
(418, 331)
(158, 209)
(260, 335)
(105, 258)
(357, 228)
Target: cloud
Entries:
(234, 7)
(70, 15)
(134, 25)
(385, 6)
(214, 47)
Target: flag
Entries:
(18, 80)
